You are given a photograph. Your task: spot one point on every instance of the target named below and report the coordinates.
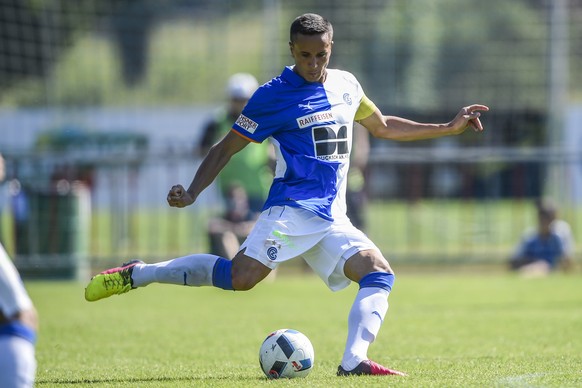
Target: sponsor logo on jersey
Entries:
(331, 142)
(246, 123)
(315, 118)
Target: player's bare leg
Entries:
(247, 272)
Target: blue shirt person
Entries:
(547, 247)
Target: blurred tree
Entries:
(408, 55)
(131, 25)
(431, 54)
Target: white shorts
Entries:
(282, 233)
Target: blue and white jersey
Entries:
(310, 125)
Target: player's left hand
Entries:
(469, 117)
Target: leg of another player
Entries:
(375, 277)
(17, 362)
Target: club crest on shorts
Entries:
(272, 253)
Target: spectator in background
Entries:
(18, 325)
(244, 183)
(250, 168)
(228, 231)
(546, 248)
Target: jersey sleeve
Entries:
(258, 119)
(366, 108)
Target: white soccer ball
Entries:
(286, 353)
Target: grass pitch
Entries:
(489, 329)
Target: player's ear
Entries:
(291, 47)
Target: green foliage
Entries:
(417, 54)
(457, 51)
(442, 329)
(188, 63)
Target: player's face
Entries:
(311, 54)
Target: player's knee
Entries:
(247, 272)
(366, 262)
(243, 282)
(379, 263)
(382, 266)
(244, 278)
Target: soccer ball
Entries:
(286, 353)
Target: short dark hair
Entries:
(310, 24)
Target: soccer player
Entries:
(18, 326)
(308, 114)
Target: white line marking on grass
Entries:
(521, 379)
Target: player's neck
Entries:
(322, 80)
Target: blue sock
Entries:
(382, 280)
(221, 274)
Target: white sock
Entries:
(364, 321)
(192, 270)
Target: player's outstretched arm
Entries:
(401, 129)
(213, 163)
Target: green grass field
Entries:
(444, 329)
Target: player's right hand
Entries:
(468, 117)
(179, 197)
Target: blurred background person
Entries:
(18, 325)
(243, 183)
(227, 231)
(251, 168)
(546, 248)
